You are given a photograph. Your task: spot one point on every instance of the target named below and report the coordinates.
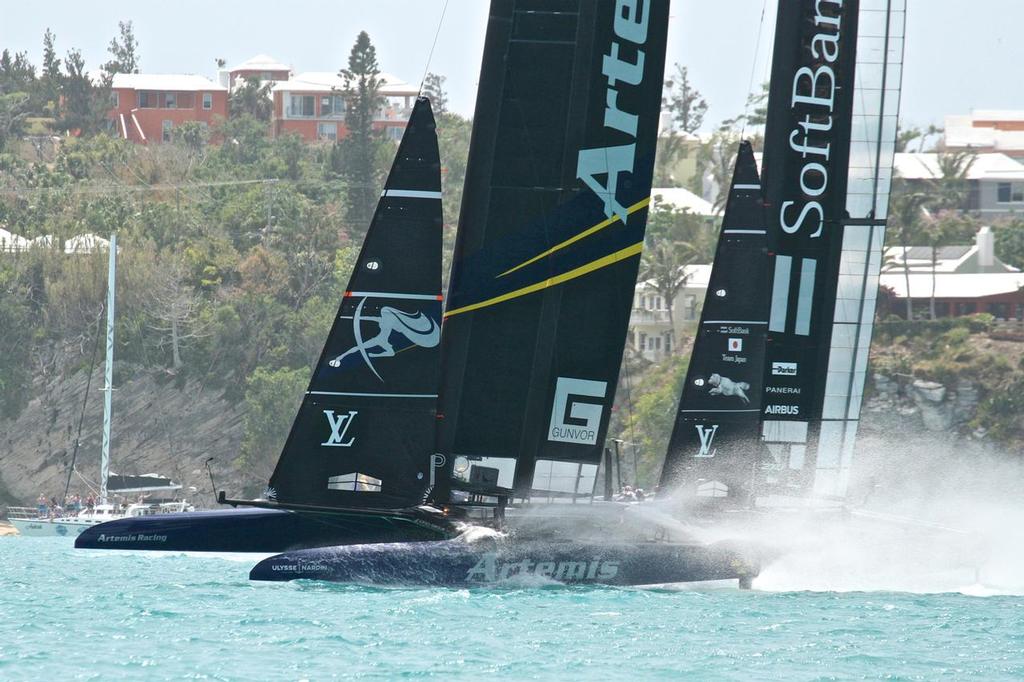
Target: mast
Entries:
(550, 233)
(108, 369)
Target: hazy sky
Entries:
(959, 54)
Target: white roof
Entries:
(260, 62)
(952, 285)
(960, 132)
(165, 81)
(86, 243)
(12, 242)
(925, 166)
(681, 198)
(328, 81)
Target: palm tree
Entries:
(906, 208)
(664, 263)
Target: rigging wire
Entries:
(753, 69)
(430, 55)
(85, 402)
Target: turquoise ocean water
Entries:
(67, 615)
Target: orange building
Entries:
(148, 107)
(312, 104)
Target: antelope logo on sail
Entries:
(417, 328)
(339, 424)
(707, 438)
(574, 420)
(631, 19)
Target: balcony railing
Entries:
(643, 316)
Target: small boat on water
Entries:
(43, 521)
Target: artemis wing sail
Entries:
(715, 442)
(363, 436)
(550, 233)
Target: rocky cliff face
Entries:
(157, 427)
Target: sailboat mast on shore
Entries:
(108, 368)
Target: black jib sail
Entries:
(551, 228)
(363, 434)
(715, 442)
(827, 166)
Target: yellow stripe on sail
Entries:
(553, 281)
(582, 235)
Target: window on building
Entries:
(165, 130)
(1008, 192)
(395, 133)
(115, 99)
(266, 76)
(148, 100)
(207, 100)
(301, 106)
(332, 106)
(170, 100)
(327, 131)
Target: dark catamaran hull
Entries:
(258, 530)
(455, 563)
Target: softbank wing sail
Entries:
(363, 434)
(550, 233)
(715, 441)
(829, 145)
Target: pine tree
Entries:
(433, 88)
(85, 104)
(124, 50)
(358, 150)
(50, 78)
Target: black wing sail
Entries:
(715, 442)
(827, 166)
(551, 228)
(363, 436)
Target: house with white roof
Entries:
(987, 130)
(681, 199)
(653, 332)
(313, 104)
(996, 181)
(147, 107)
(262, 67)
(12, 243)
(967, 280)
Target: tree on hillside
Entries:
(50, 77)
(16, 73)
(252, 98)
(433, 88)
(906, 214)
(358, 150)
(687, 106)
(174, 306)
(85, 104)
(124, 51)
(1010, 242)
(14, 109)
